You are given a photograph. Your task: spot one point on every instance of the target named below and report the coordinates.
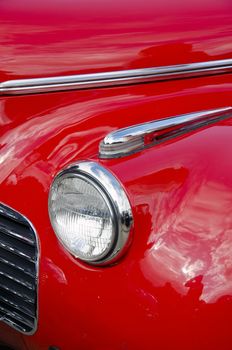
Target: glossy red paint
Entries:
(60, 37)
(173, 289)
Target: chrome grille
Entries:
(18, 271)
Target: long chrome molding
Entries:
(115, 78)
(135, 138)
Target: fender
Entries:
(172, 288)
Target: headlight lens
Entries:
(84, 215)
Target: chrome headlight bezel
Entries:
(117, 202)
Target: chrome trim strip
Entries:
(115, 78)
(107, 184)
(123, 142)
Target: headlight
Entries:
(90, 213)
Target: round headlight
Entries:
(90, 213)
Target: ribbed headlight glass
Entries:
(82, 217)
(90, 213)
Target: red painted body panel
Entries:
(59, 37)
(173, 289)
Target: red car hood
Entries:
(52, 38)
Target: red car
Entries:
(116, 175)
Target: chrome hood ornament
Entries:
(126, 141)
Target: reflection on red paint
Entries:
(68, 37)
(173, 288)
